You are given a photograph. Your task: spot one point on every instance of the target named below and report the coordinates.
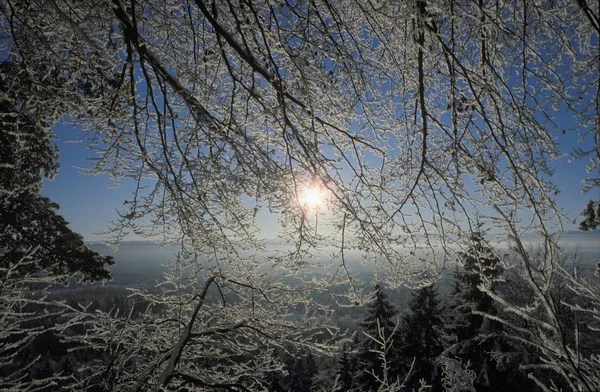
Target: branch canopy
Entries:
(415, 117)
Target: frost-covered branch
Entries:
(543, 321)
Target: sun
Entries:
(312, 197)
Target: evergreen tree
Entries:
(37, 247)
(275, 382)
(381, 313)
(303, 369)
(345, 374)
(591, 220)
(379, 323)
(480, 340)
(421, 338)
(480, 264)
(309, 370)
(591, 216)
(29, 221)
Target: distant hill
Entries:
(143, 262)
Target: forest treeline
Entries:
(459, 341)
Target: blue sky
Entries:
(86, 201)
(89, 202)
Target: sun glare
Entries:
(312, 198)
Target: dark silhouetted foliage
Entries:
(421, 330)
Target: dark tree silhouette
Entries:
(591, 216)
(37, 247)
(275, 381)
(380, 323)
(480, 340)
(301, 374)
(480, 264)
(347, 368)
(421, 331)
(29, 223)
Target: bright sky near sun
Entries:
(89, 203)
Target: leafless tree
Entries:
(556, 316)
